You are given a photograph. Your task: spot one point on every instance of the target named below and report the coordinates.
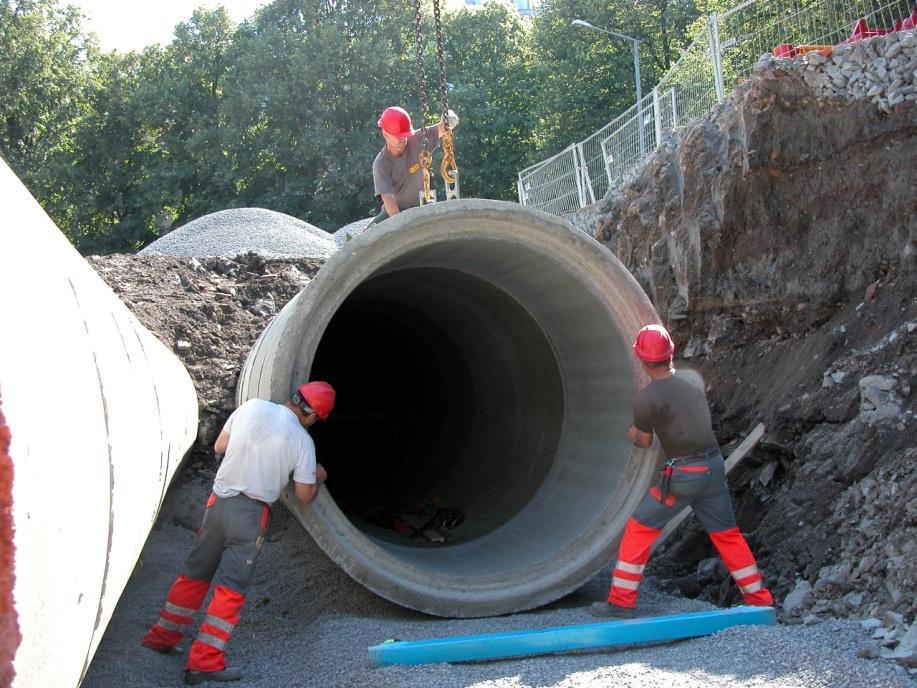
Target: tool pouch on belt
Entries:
(665, 479)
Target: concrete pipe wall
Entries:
(481, 352)
(100, 414)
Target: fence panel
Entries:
(722, 54)
(554, 185)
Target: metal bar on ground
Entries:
(555, 639)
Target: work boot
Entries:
(172, 650)
(192, 678)
(606, 610)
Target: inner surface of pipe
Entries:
(451, 398)
(481, 355)
(488, 381)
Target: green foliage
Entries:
(43, 84)
(280, 112)
(495, 96)
(587, 77)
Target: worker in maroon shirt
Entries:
(673, 406)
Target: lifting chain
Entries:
(426, 157)
(449, 168)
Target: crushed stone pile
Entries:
(882, 69)
(348, 232)
(229, 233)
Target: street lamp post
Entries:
(636, 46)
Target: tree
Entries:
(588, 78)
(44, 77)
(488, 65)
(310, 80)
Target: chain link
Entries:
(448, 165)
(426, 157)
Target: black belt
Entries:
(665, 477)
(702, 455)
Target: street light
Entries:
(636, 45)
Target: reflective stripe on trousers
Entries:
(184, 599)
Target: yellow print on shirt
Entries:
(413, 168)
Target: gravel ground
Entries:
(308, 624)
(229, 233)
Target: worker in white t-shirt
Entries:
(265, 444)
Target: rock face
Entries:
(777, 238)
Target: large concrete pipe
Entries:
(481, 353)
(100, 415)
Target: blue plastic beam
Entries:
(554, 639)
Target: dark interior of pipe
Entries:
(450, 406)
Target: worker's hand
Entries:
(452, 119)
(320, 474)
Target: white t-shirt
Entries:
(266, 444)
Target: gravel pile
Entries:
(348, 232)
(882, 68)
(230, 233)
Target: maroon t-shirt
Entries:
(675, 409)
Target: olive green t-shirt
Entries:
(676, 410)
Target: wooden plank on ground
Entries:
(737, 455)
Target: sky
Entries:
(124, 25)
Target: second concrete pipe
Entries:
(481, 355)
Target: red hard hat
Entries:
(396, 121)
(320, 396)
(654, 344)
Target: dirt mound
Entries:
(209, 312)
(778, 239)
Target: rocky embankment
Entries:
(777, 237)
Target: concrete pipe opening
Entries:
(481, 355)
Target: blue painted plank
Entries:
(565, 638)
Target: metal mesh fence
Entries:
(722, 54)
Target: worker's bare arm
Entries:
(639, 438)
(390, 204)
(219, 447)
(305, 493)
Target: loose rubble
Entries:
(881, 68)
(209, 312)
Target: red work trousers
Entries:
(701, 485)
(228, 542)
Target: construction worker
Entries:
(264, 444)
(673, 406)
(397, 172)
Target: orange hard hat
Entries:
(320, 397)
(396, 121)
(654, 344)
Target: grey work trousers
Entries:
(229, 541)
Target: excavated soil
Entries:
(778, 240)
